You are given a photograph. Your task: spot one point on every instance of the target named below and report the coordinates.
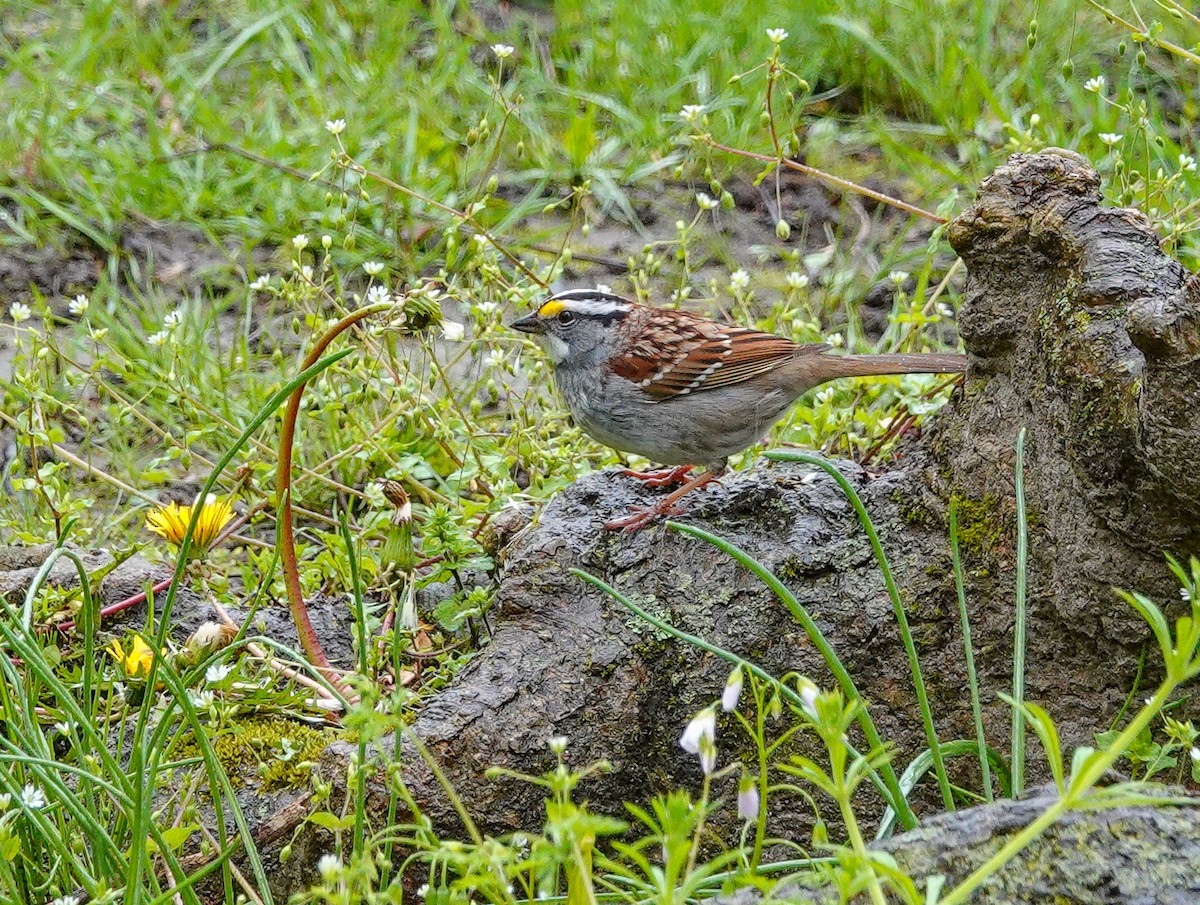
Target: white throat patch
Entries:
(555, 348)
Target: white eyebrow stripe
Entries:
(591, 301)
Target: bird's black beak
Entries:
(530, 323)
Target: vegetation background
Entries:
(193, 192)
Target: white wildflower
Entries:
(217, 673)
(945, 310)
(747, 799)
(733, 690)
(777, 35)
(79, 305)
(837, 340)
(808, 695)
(328, 866)
(300, 242)
(1110, 138)
(739, 279)
(19, 312)
(172, 319)
(261, 283)
(797, 280)
(202, 700)
(377, 295)
(1095, 85)
(898, 277)
(691, 112)
(373, 268)
(335, 126)
(708, 755)
(703, 726)
(706, 202)
(33, 798)
(453, 331)
(157, 339)
(502, 51)
(557, 743)
(1187, 163)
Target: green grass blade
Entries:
(841, 674)
(910, 647)
(265, 412)
(1018, 677)
(729, 656)
(969, 653)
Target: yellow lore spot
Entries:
(551, 308)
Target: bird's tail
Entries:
(899, 363)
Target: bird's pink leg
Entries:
(660, 477)
(665, 506)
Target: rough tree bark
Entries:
(1081, 330)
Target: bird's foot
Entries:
(640, 518)
(660, 477)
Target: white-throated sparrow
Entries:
(681, 389)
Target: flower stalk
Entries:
(283, 483)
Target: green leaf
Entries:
(1105, 739)
(174, 837)
(933, 889)
(1047, 733)
(332, 822)
(1147, 609)
(1081, 763)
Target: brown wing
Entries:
(682, 354)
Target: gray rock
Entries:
(1137, 855)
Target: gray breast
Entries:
(699, 429)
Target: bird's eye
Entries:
(566, 317)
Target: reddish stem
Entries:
(119, 605)
(283, 482)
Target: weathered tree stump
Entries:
(1080, 330)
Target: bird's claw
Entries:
(660, 477)
(665, 506)
(641, 516)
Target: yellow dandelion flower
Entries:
(137, 661)
(171, 521)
